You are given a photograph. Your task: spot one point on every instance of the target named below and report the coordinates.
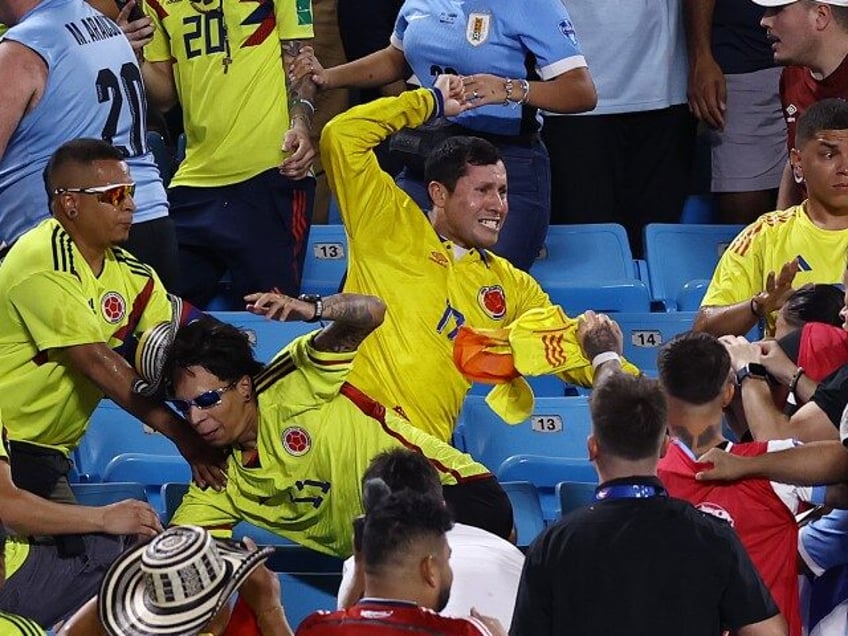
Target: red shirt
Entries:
(378, 617)
(762, 520)
(799, 90)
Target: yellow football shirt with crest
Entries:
(230, 80)
(766, 245)
(396, 254)
(50, 299)
(316, 436)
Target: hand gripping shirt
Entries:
(395, 254)
(230, 81)
(316, 436)
(50, 299)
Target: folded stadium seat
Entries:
(526, 510)
(325, 262)
(645, 332)
(590, 266)
(161, 155)
(677, 254)
(543, 386)
(545, 473)
(558, 427)
(269, 336)
(575, 494)
(105, 494)
(334, 215)
(117, 447)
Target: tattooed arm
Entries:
(298, 151)
(354, 316)
(597, 334)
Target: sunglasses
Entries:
(203, 401)
(114, 195)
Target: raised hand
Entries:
(598, 333)
(306, 64)
(279, 307)
(139, 31)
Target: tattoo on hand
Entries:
(598, 340)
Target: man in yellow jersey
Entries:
(788, 248)
(71, 303)
(435, 272)
(300, 435)
(242, 198)
(34, 580)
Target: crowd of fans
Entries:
(497, 118)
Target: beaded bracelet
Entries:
(508, 89)
(794, 383)
(525, 86)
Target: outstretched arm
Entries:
(115, 377)
(354, 316)
(600, 336)
(28, 514)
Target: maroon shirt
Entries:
(799, 90)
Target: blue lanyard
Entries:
(630, 491)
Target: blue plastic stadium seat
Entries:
(105, 494)
(575, 494)
(269, 336)
(326, 260)
(644, 334)
(545, 473)
(303, 594)
(677, 254)
(526, 510)
(590, 266)
(558, 428)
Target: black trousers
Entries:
(629, 168)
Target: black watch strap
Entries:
(752, 370)
(316, 300)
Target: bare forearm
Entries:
(808, 465)
(301, 92)
(354, 316)
(764, 420)
(28, 514)
(698, 19)
(378, 69)
(734, 320)
(572, 92)
(159, 84)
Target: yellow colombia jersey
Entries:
(317, 435)
(234, 120)
(11, 625)
(50, 299)
(395, 254)
(15, 550)
(769, 242)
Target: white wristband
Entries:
(606, 356)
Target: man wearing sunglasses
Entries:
(71, 303)
(299, 435)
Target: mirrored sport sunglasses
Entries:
(111, 194)
(203, 401)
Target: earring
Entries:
(796, 174)
(72, 214)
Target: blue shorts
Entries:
(256, 230)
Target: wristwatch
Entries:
(316, 300)
(751, 370)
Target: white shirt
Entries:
(486, 571)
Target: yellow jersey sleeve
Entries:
(739, 273)
(294, 19)
(311, 376)
(52, 307)
(208, 509)
(365, 193)
(159, 48)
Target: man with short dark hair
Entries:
(756, 273)
(408, 576)
(698, 383)
(476, 555)
(71, 304)
(637, 561)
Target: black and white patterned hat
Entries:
(174, 584)
(153, 349)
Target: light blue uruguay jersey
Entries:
(502, 37)
(93, 89)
